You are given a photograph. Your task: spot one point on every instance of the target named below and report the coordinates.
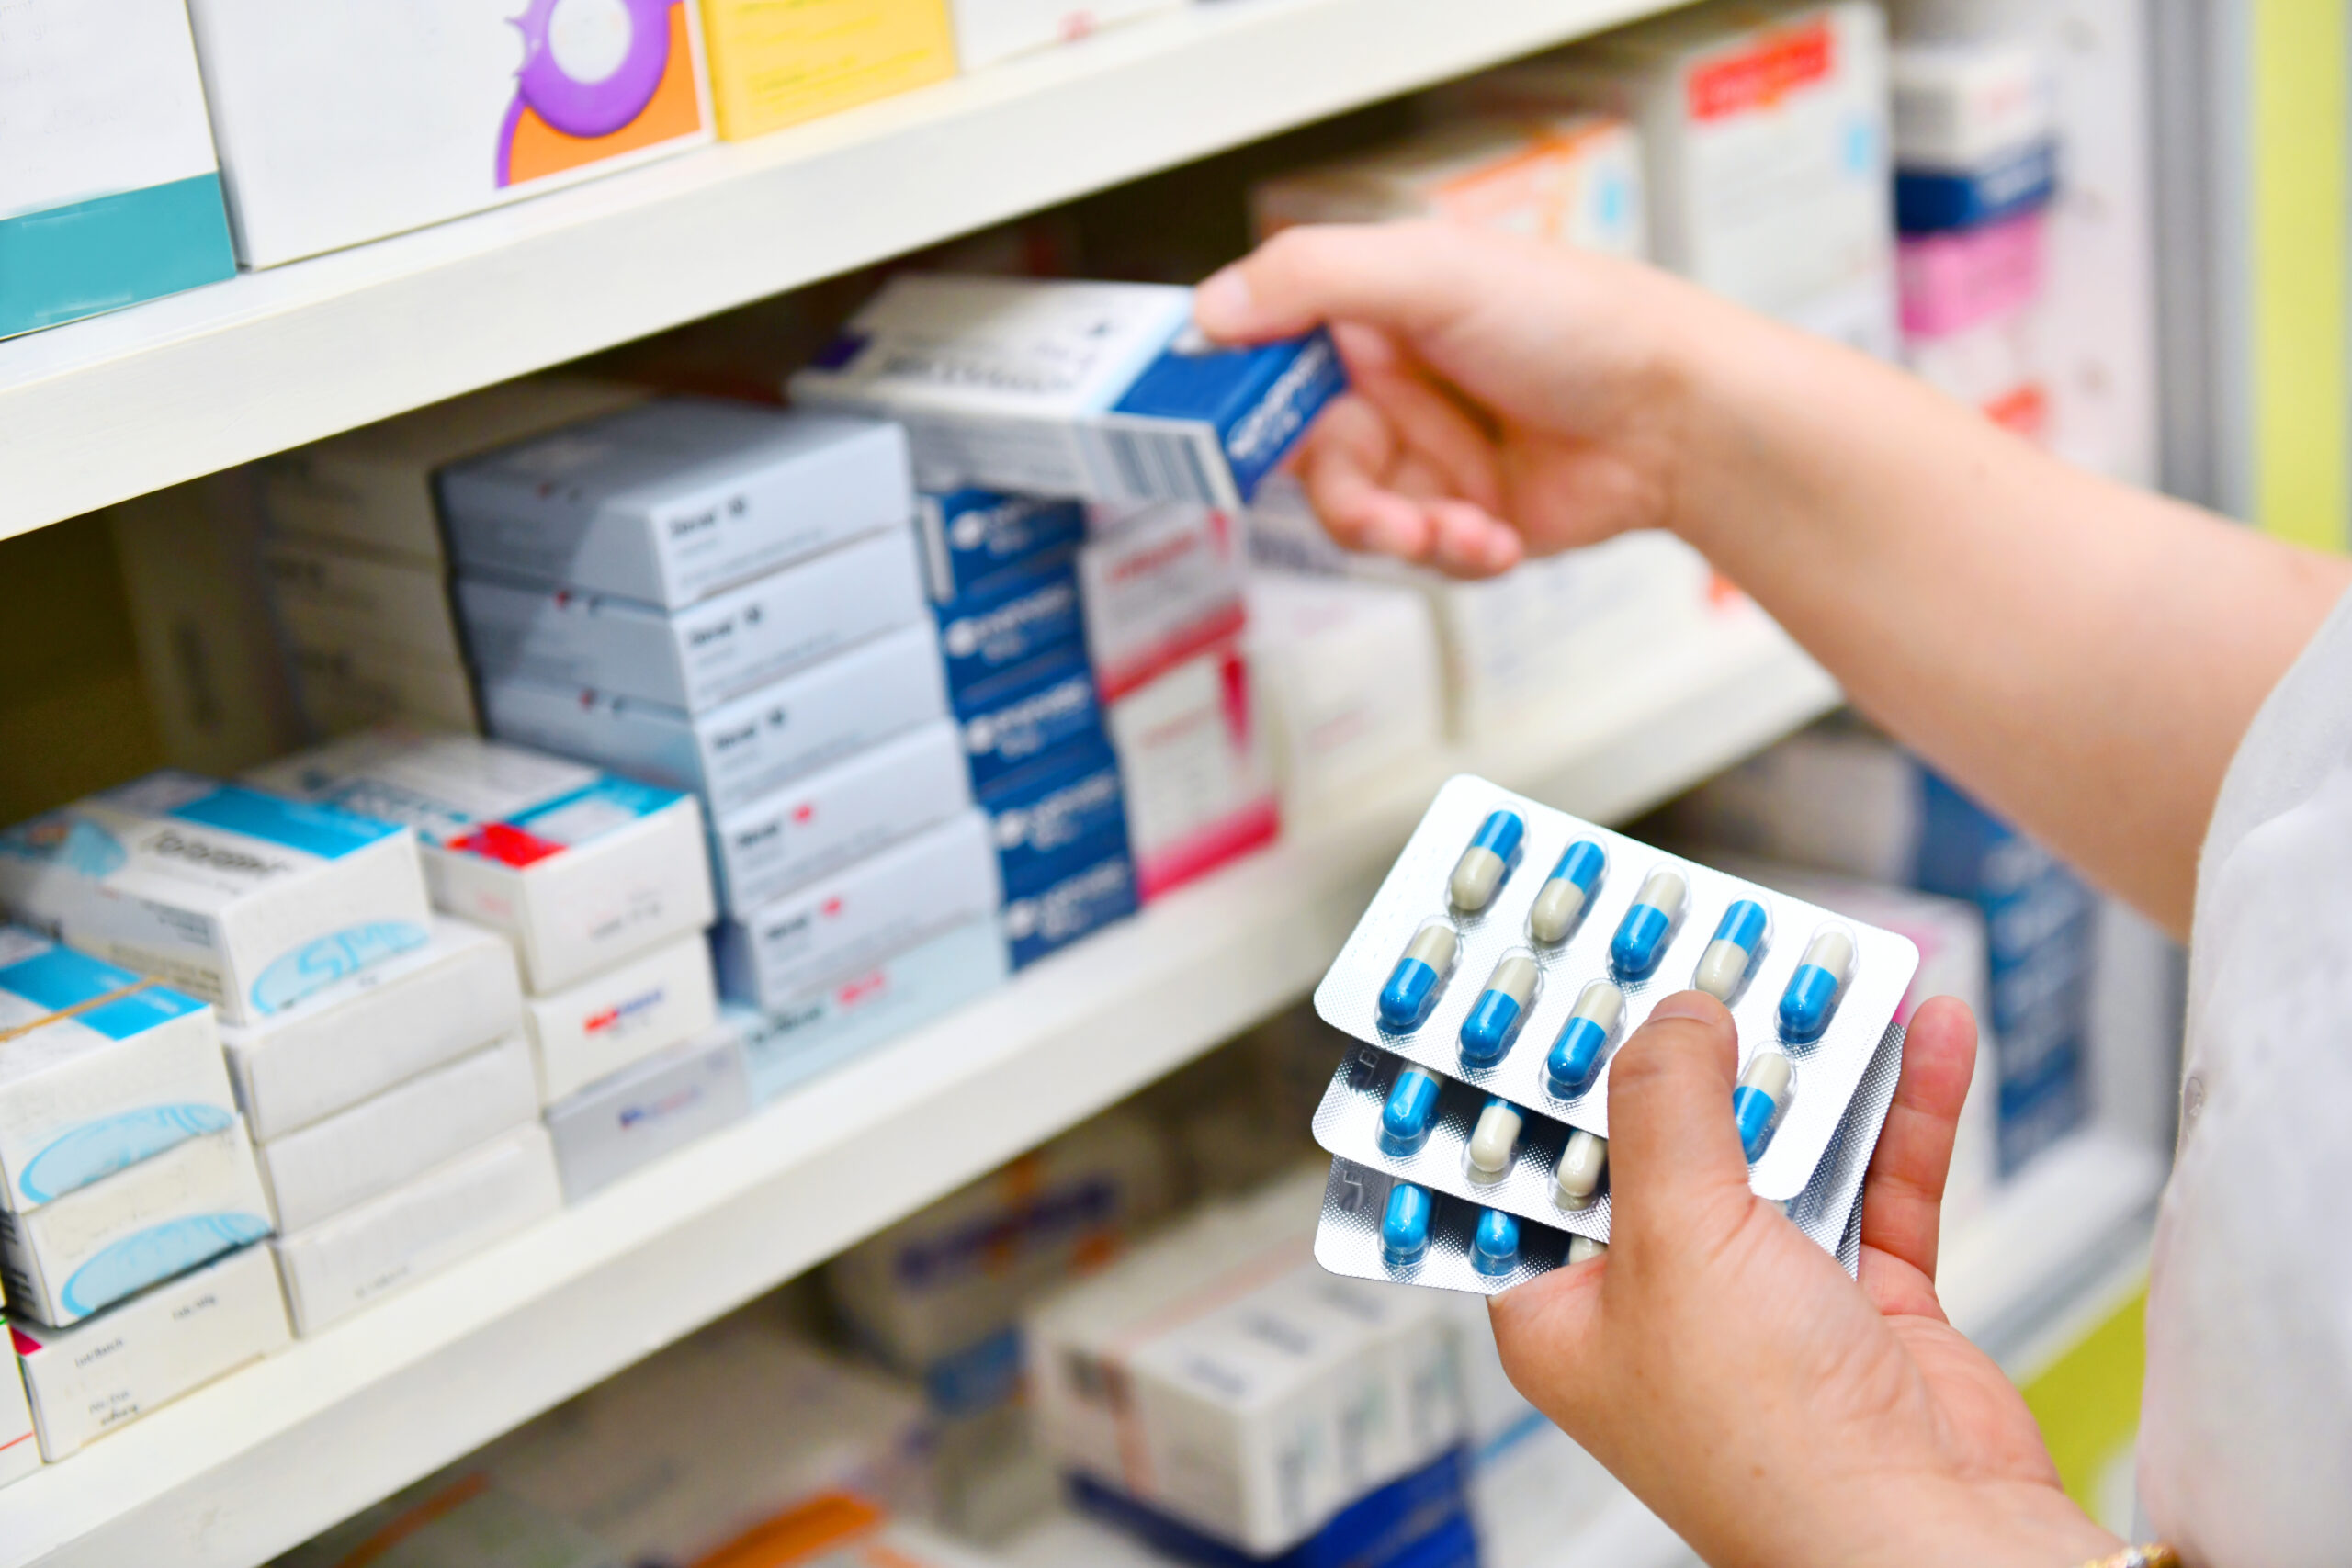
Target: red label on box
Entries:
(509, 845)
(1781, 61)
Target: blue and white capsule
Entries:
(1480, 871)
(1757, 1104)
(1811, 999)
(1739, 937)
(1495, 1017)
(1411, 1111)
(1494, 1142)
(1576, 1056)
(1649, 925)
(1405, 1226)
(1419, 979)
(1584, 1163)
(1561, 901)
(1494, 1245)
(1584, 1249)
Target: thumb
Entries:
(1674, 1153)
(1407, 277)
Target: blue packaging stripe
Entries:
(1028, 714)
(1055, 816)
(65, 263)
(61, 978)
(623, 795)
(1935, 201)
(1259, 400)
(327, 831)
(1079, 904)
(1009, 624)
(129, 1017)
(983, 536)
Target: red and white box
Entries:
(1161, 583)
(1192, 760)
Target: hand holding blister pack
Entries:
(1510, 952)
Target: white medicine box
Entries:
(342, 120)
(991, 30)
(578, 869)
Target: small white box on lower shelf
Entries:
(354, 1259)
(89, 1379)
(601, 1025)
(371, 1147)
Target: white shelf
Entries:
(270, 1455)
(103, 410)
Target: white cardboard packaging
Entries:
(800, 1037)
(1070, 388)
(648, 1109)
(1347, 681)
(673, 500)
(90, 1379)
(362, 686)
(1193, 761)
(1219, 1375)
(628, 1012)
(1959, 106)
(98, 1069)
(1574, 179)
(238, 898)
(1764, 129)
(853, 808)
(578, 869)
(332, 600)
(19, 1455)
(991, 30)
(850, 921)
(338, 124)
(380, 1027)
(735, 753)
(363, 1254)
(1159, 584)
(352, 1156)
(81, 1253)
(700, 656)
(372, 488)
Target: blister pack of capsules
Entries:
(1510, 950)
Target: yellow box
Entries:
(776, 63)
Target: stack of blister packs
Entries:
(1510, 950)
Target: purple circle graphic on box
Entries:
(590, 66)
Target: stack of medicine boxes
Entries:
(356, 573)
(600, 886)
(724, 598)
(1975, 170)
(1002, 572)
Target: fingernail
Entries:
(1222, 301)
(1690, 1004)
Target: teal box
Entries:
(61, 264)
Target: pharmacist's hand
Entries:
(1509, 397)
(1767, 1407)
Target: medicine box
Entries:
(1199, 785)
(1011, 621)
(853, 808)
(1027, 714)
(1573, 178)
(669, 502)
(81, 1253)
(336, 601)
(98, 1069)
(700, 656)
(1764, 132)
(19, 1453)
(239, 899)
(577, 868)
(380, 1027)
(776, 66)
(1422, 1519)
(1161, 583)
(601, 1024)
(798, 1037)
(360, 687)
(1060, 810)
(350, 1156)
(740, 750)
(418, 1228)
(857, 918)
(633, 1117)
(1347, 679)
(1091, 890)
(1963, 105)
(343, 123)
(89, 1379)
(1053, 388)
(970, 536)
(991, 30)
(371, 489)
(109, 192)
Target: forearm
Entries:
(2082, 656)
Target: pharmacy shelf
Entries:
(102, 410)
(270, 1455)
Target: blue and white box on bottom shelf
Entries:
(970, 536)
(599, 1025)
(98, 1069)
(1008, 621)
(648, 1109)
(239, 899)
(1027, 714)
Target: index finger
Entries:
(1398, 276)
